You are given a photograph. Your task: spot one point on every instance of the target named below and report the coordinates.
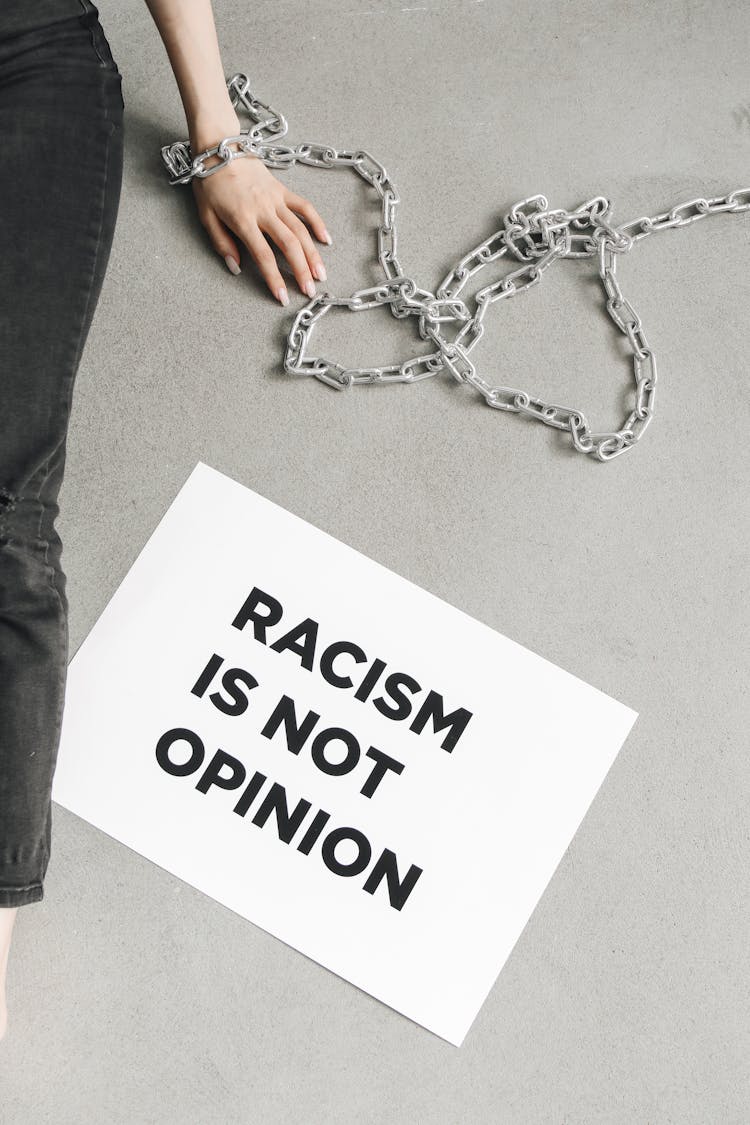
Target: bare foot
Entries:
(7, 918)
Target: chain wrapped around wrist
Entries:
(187, 166)
(266, 125)
(531, 232)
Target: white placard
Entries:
(342, 758)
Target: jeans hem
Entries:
(21, 896)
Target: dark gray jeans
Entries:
(61, 141)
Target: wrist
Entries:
(207, 129)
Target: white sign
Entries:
(356, 766)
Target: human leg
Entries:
(61, 135)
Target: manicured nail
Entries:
(310, 288)
(326, 237)
(282, 295)
(232, 264)
(320, 271)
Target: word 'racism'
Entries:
(265, 612)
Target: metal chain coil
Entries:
(532, 233)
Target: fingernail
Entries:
(282, 295)
(310, 288)
(320, 271)
(326, 237)
(232, 264)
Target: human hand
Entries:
(245, 199)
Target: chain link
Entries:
(532, 234)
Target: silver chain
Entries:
(532, 234)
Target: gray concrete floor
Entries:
(135, 999)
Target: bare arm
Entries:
(244, 199)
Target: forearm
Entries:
(188, 31)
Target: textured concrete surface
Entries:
(135, 999)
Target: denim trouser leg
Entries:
(61, 140)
